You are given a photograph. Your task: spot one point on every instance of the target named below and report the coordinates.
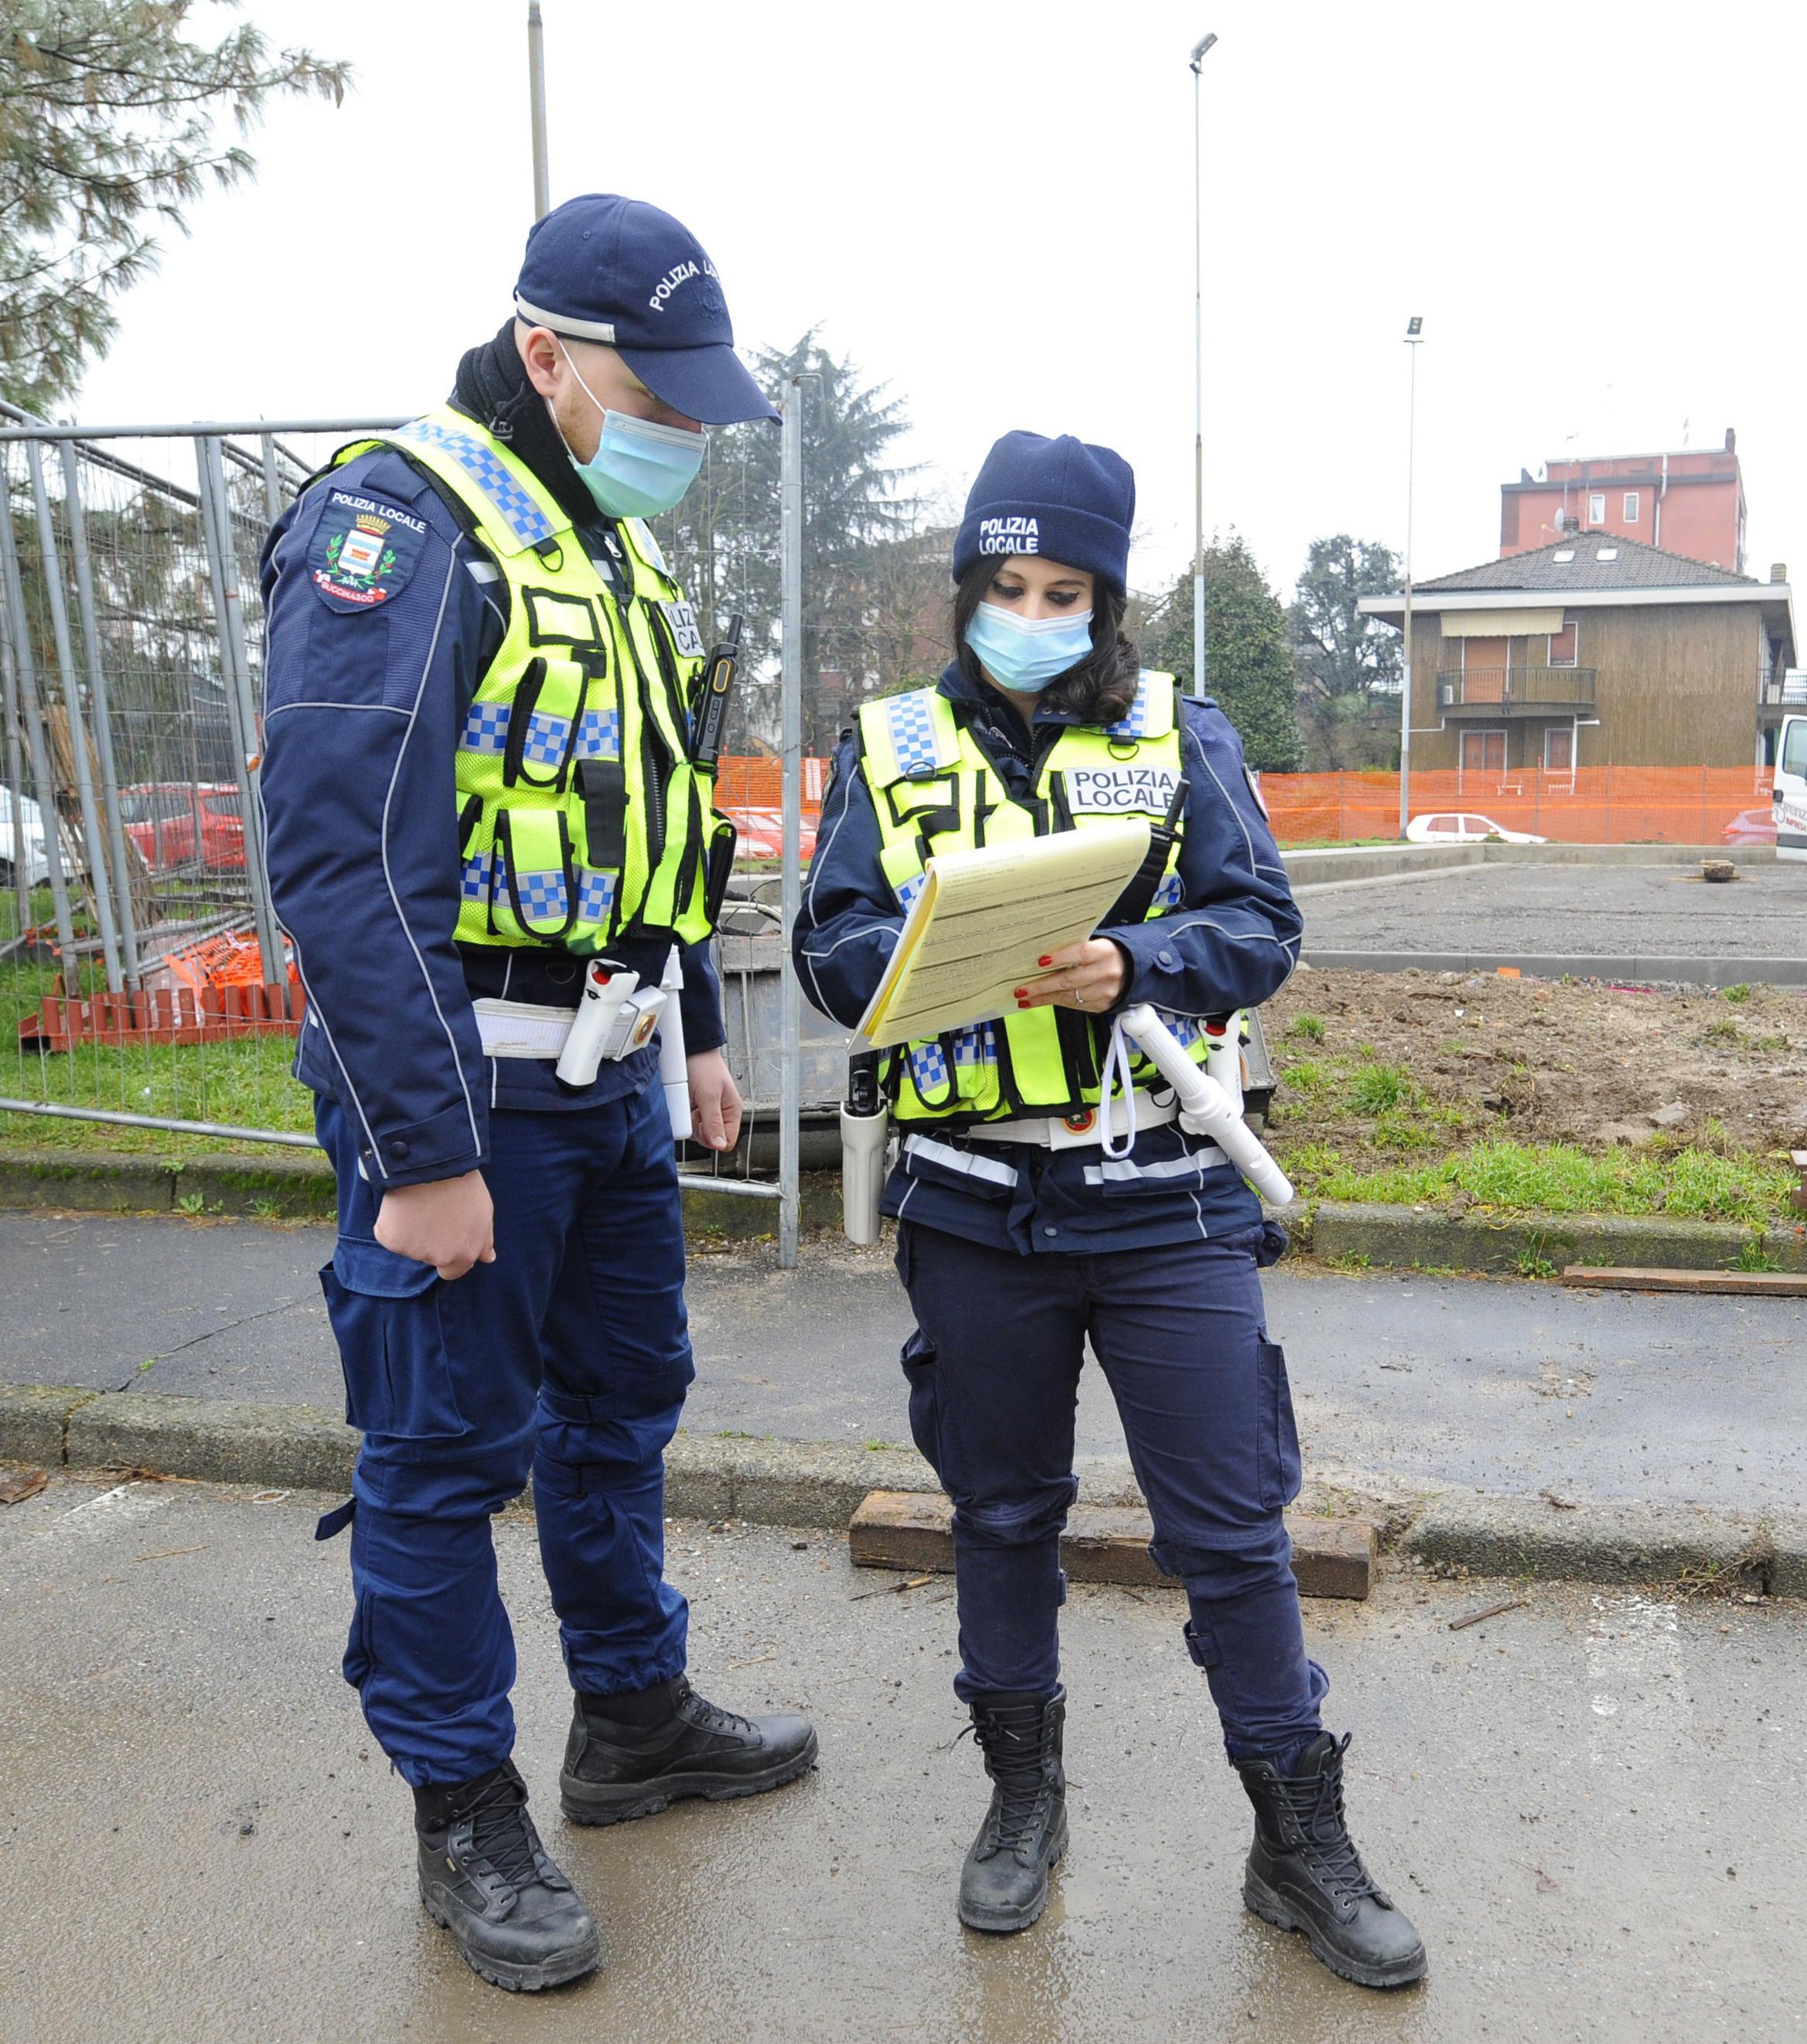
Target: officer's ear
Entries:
(539, 347)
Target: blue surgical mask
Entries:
(1024, 654)
(638, 468)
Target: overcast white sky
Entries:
(1595, 208)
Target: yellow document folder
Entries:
(983, 919)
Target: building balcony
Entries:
(1516, 692)
(1785, 691)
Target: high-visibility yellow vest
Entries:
(582, 816)
(935, 790)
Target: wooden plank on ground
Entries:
(1104, 1543)
(1757, 1283)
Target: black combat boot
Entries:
(629, 1756)
(486, 1876)
(1305, 1874)
(1003, 1885)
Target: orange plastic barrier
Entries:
(1592, 805)
(755, 780)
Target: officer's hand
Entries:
(714, 1100)
(450, 1223)
(1089, 977)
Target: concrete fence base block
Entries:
(1402, 1236)
(1104, 1543)
(1668, 1545)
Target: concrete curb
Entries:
(286, 1185)
(1404, 1237)
(821, 1484)
(1637, 971)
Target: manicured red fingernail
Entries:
(1046, 961)
(1023, 1004)
(1022, 993)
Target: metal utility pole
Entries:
(1414, 335)
(536, 102)
(790, 997)
(1199, 50)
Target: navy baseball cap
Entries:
(605, 268)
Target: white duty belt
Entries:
(522, 1029)
(1076, 1131)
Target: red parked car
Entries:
(179, 827)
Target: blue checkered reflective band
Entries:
(595, 894)
(1170, 893)
(475, 883)
(599, 735)
(1134, 722)
(974, 1045)
(524, 519)
(910, 720)
(546, 738)
(928, 1067)
(911, 888)
(1187, 1029)
(543, 896)
(485, 728)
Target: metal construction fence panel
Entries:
(144, 984)
(1588, 805)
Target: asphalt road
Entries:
(1591, 1807)
(1570, 911)
(1497, 1385)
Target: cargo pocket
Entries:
(1277, 1445)
(360, 1657)
(389, 1314)
(919, 1361)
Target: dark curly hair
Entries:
(1100, 689)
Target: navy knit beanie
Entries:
(1062, 498)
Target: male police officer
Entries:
(477, 777)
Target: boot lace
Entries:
(502, 1832)
(706, 1716)
(1017, 1775)
(1315, 1804)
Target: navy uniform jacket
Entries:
(363, 709)
(1232, 943)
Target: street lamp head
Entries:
(1414, 329)
(1199, 48)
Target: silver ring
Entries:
(1078, 997)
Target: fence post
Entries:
(52, 564)
(222, 564)
(26, 671)
(15, 758)
(272, 482)
(790, 996)
(99, 712)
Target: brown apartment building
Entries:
(1595, 651)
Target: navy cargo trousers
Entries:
(1179, 1330)
(568, 1356)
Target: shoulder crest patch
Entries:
(363, 550)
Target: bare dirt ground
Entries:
(1540, 1061)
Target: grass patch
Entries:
(1378, 1089)
(1724, 1031)
(1509, 1177)
(1735, 994)
(1309, 1026)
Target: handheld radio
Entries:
(713, 701)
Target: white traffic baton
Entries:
(1206, 1107)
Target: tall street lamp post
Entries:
(1414, 335)
(1199, 50)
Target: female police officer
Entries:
(1021, 1234)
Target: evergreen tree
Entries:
(723, 542)
(1249, 671)
(107, 120)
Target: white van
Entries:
(1790, 799)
